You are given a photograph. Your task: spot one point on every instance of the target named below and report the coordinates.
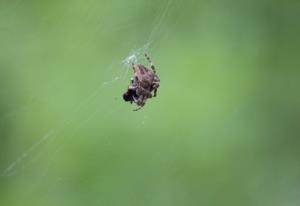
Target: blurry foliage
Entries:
(224, 129)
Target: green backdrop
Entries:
(224, 129)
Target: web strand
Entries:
(134, 56)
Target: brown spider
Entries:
(144, 82)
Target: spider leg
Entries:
(135, 100)
(155, 92)
(140, 107)
(156, 79)
(155, 86)
(151, 64)
(133, 65)
(140, 103)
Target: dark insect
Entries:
(143, 85)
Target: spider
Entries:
(143, 84)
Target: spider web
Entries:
(119, 69)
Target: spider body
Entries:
(143, 85)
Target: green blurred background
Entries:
(224, 129)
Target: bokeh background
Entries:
(224, 129)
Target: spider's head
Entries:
(128, 96)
